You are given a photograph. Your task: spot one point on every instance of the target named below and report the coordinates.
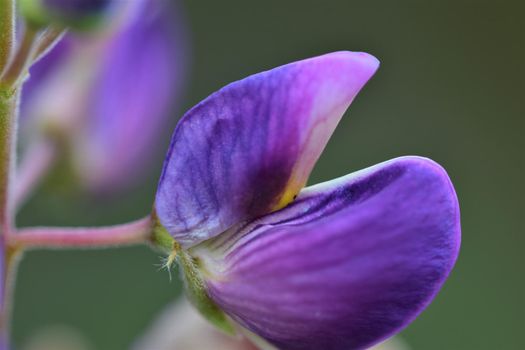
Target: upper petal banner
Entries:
(249, 148)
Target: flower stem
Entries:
(47, 40)
(10, 266)
(136, 232)
(8, 123)
(33, 46)
(7, 26)
(17, 68)
(13, 70)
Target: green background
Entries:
(450, 87)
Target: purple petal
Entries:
(349, 263)
(111, 92)
(42, 70)
(248, 149)
(132, 95)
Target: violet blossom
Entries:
(107, 95)
(339, 265)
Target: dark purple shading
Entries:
(349, 263)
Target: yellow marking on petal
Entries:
(322, 123)
(289, 195)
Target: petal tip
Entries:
(366, 61)
(354, 68)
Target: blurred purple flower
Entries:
(109, 93)
(181, 327)
(339, 265)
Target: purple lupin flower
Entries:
(340, 265)
(110, 93)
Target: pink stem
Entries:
(135, 232)
(35, 164)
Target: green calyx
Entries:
(38, 16)
(160, 238)
(192, 272)
(34, 13)
(196, 291)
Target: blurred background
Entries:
(450, 87)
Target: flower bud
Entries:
(76, 14)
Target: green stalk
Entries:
(7, 25)
(8, 108)
(8, 105)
